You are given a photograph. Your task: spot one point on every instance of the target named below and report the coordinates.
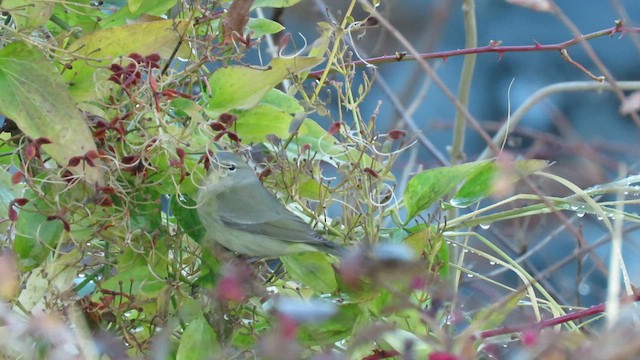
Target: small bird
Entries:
(240, 214)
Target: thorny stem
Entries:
(493, 47)
(596, 309)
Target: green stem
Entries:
(471, 34)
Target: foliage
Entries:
(116, 113)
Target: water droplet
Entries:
(599, 217)
(470, 275)
(580, 213)
(454, 244)
(584, 289)
(465, 250)
(574, 207)
(485, 226)
(492, 262)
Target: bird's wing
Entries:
(256, 210)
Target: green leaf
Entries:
(35, 236)
(28, 14)
(491, 318)
(480, 183)
(255, 124)
(428, 240)
(312, 269)
(427, 187)
(58, 275)
(262, 26)
(134, 5)
(242, 87)
(77, 15)
(275, 3)
(144, 271)
(38, 102)
(187, 217)
(198, 342)
(104, 46)
(135, 9)
(337, 328)
(282, 101)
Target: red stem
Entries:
(596, 309)
(492, 48)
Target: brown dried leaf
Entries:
(537, 5)
(236, 19)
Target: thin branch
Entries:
(596, 309)
(493, 47)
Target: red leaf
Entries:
(74, 161)
(17, 177)
(334, 128)
(13, 214)
(372, 172)
(217, 126)
(397, 134)
(21, 201)
(104, 201)
(227, 118)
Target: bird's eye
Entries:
(231, 167)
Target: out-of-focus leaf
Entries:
(139, 8)
(9, 277)
(33, 293)
(134, 5)
(311, 269)
(38, 102)
(491, 318)
(86, 77)
(427, 187)
(54, 277)
(260, 27)
(275, 3)
(330, 331)
(35, 236)
(241, 87)
(28, 14)
(492, 177)
(428, 240)
(198, 342)
(398, 340)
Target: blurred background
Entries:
(583, 133)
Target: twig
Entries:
(504, 131)
(493, 48)
(596, 309)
